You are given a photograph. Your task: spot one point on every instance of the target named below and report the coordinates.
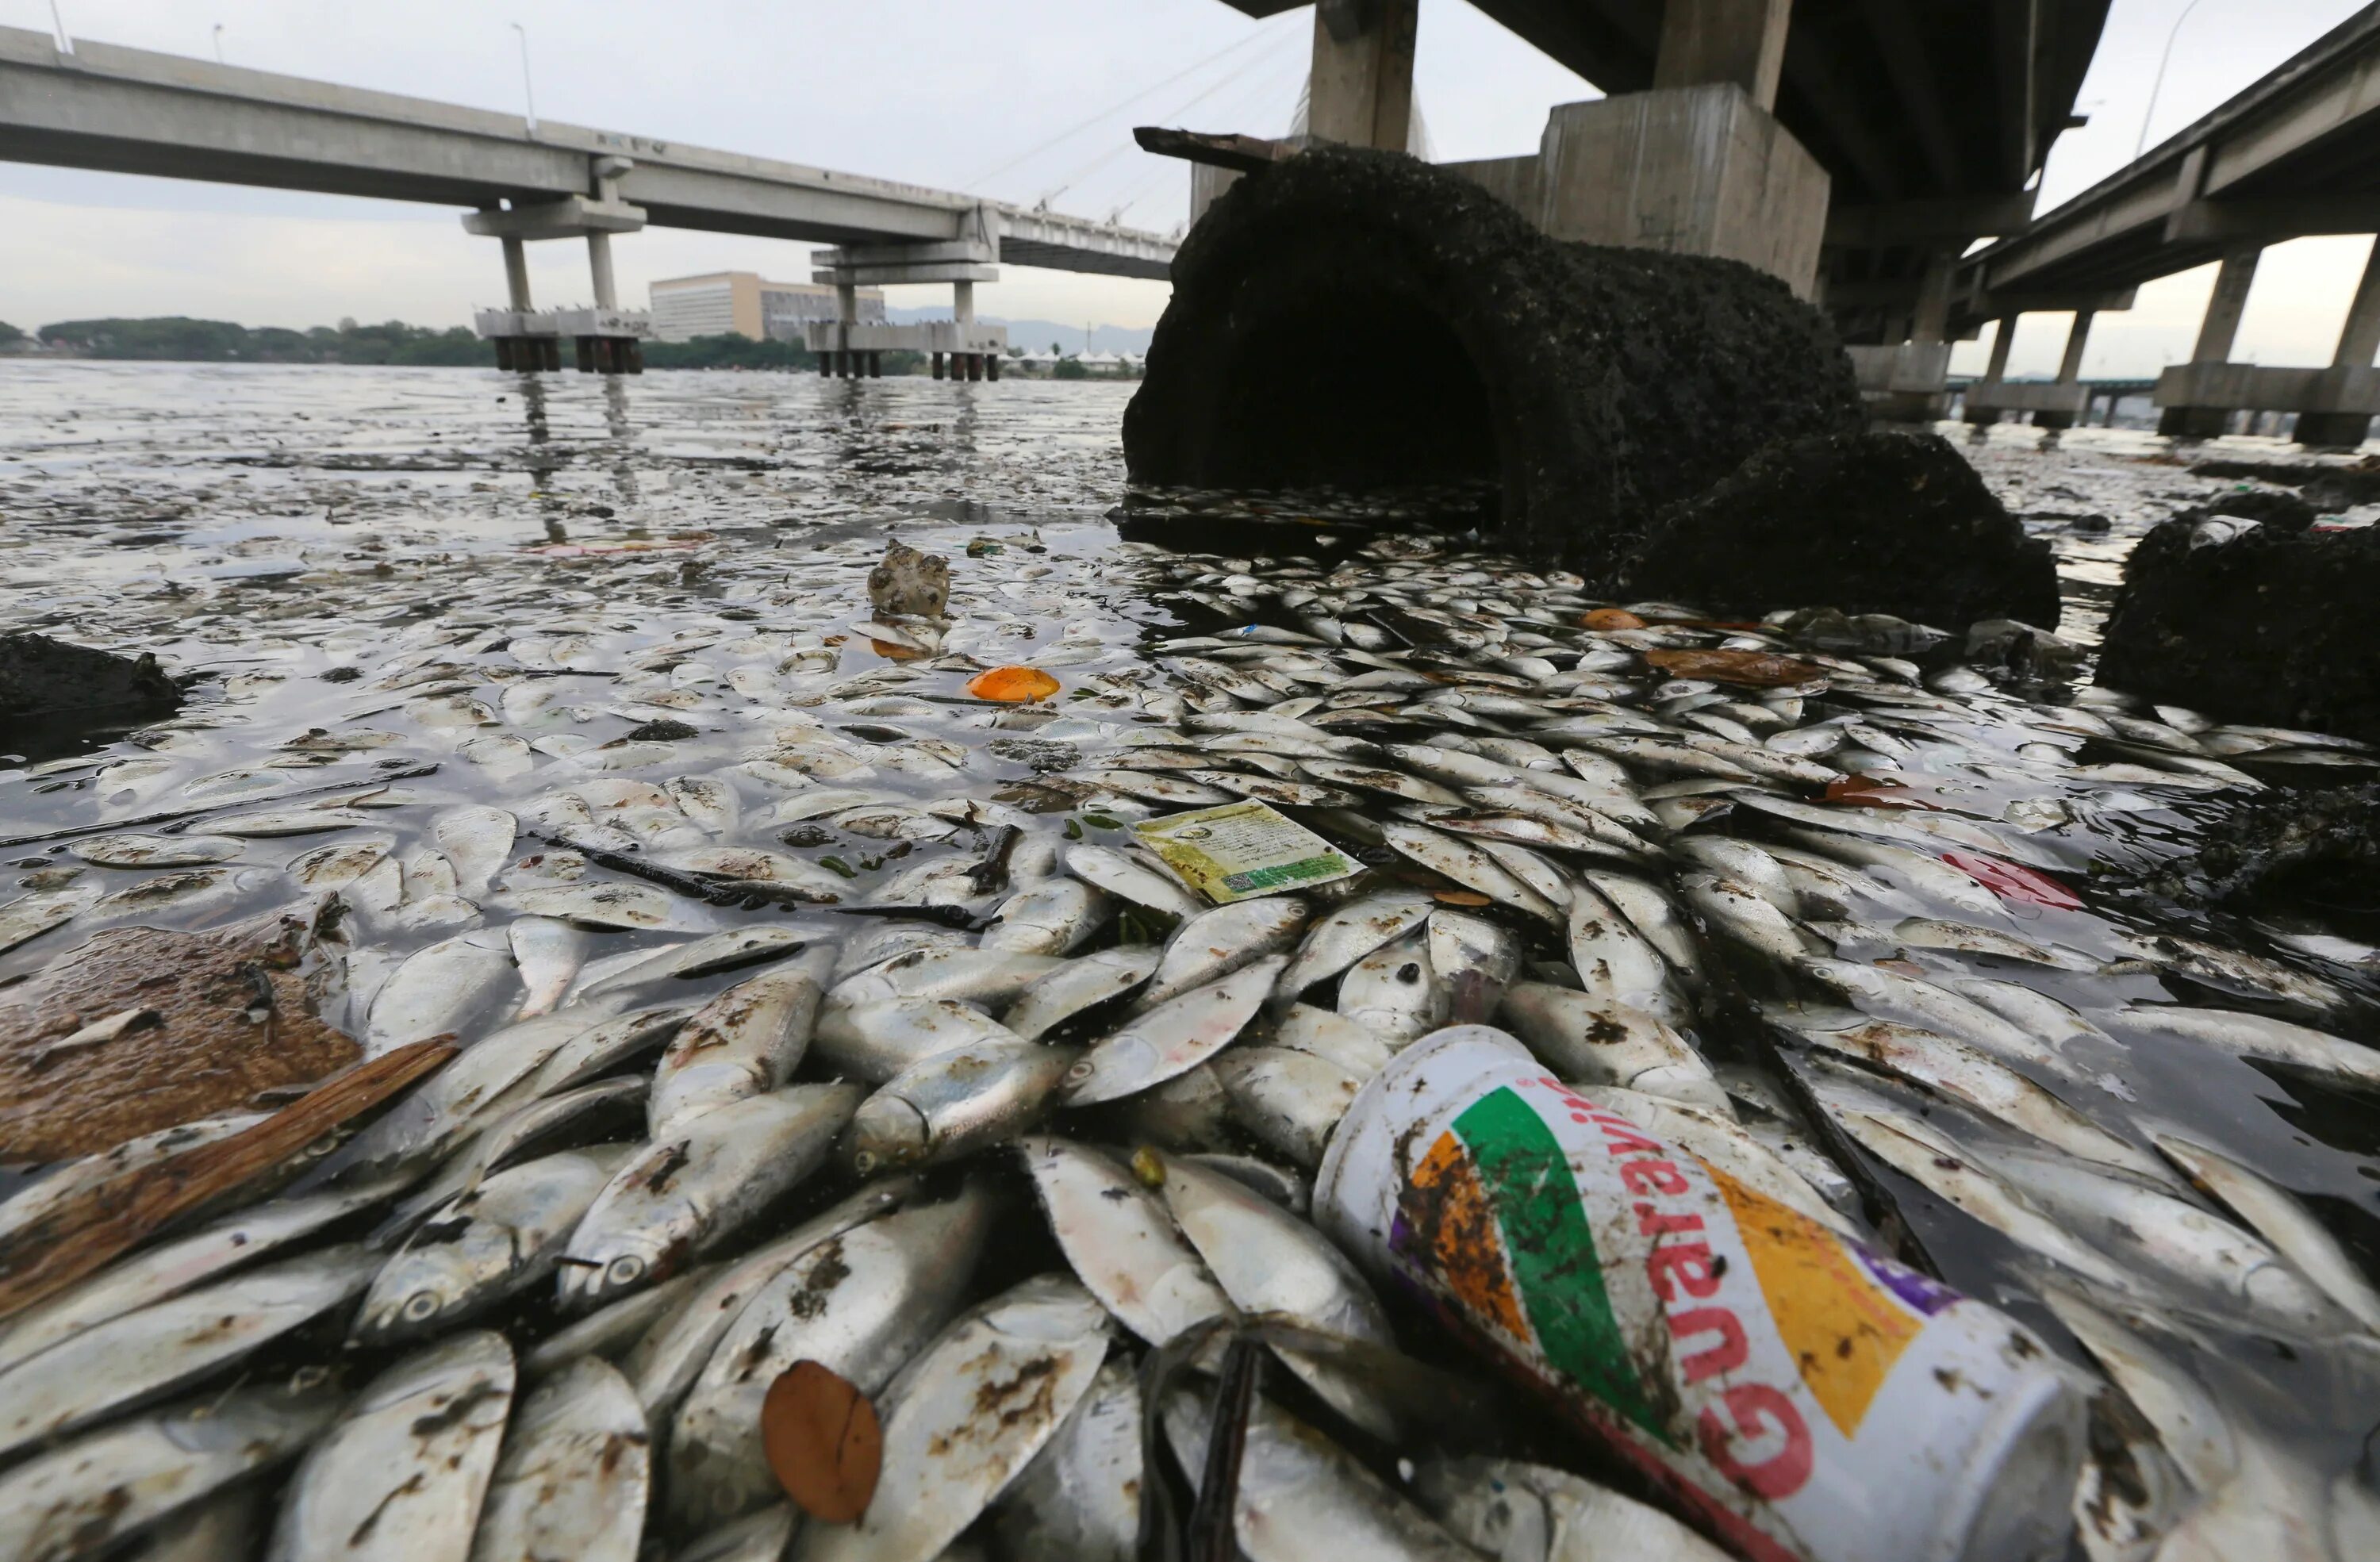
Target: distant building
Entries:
(746, 304)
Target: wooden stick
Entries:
(94, 1227)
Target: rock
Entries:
(661, 729)
(910, 582)
(1869, 523)
(2021, 649)
(2288, 851)
(2249, 623)
(142, 1028)
(1361, 321)
(2329, 488)
(46, 679)
(2274, 507)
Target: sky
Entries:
(1014, 99)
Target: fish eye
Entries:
(624, 1270)
(420, 1307)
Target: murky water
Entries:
(415, 590)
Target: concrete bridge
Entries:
(132, 111)
(2296, 154)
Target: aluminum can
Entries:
(1803, 1398)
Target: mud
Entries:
(1363, 321)
(1875, 522)
(2265, 625)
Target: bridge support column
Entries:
(1359, 91)
(2070, 372)
(2003, 338)
(2358, 339)
(1737, 40)
(2216, 332)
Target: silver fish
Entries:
(607, 907)
(958, 1101)
(1510, 1509)
(1748, 917)
(1120, 1240)
(2280, 1220)
(77, 1500)
(575, 1474)
(2252, 1035)
(876, 1041)
(1080, 1497)
(1129, 880)
(861, 1305)
(683, 1197)
(975, 975)
(1888, 995)
(747, 1041)
(1050, 918)
(1301, 1495)
(491, 1244)
(168, 1268)
(1470, 865)
(156, 1349)
(443, 989)
(762, 1537)
(1591, 1039)
(609, 1332)
(1616, 962)
(1215, 943)
(404, 1473)
(1394, 992)
(477, 840)
(547, 953)
(155, 851)
(731, 950)
(664, 1362)
(1289, 1101)
(1058, 996)
(1346, 935)
(970, 1413)
(1173, 1037)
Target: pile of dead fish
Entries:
(825, 1014)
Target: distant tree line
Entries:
(178, 338)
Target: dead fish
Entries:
(575, 1474)
(1748, 917)
(747, 865)
(489, 1244)
(1616, 962)
(861, 1305)
(155, 851)
(290, 821)
(2252, 1035)
(504, 1138)
(609, 1332)
(1394, 992)
(1288, 1100)
(1173, 1037)
(982, 976)
(747, 1041)
(1129, 880)
(2280, 1220)
(665, 1360)
(77, 1500)
(1030, 1353)
(157, 1349)
(683, 1197)
(1215, 943)
(1120, 1240)
(876, 1041)
(402, 1474)
(605, 906)
(1589, 1038)
(1345, 935)
(477, 840)
(1507, 1508)
(1080, 1497)
(1927, 932)
(1301, 1495)
(547, 954)
(1051, 917)
(1059, 995)
(957, 1101)
(441, 989)
(166, 1269)
(1469, 865)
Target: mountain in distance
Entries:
(1038, 334)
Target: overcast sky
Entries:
(1017, 99)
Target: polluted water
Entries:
(871, 1010)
